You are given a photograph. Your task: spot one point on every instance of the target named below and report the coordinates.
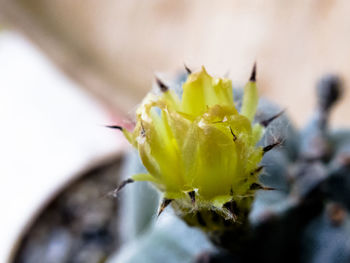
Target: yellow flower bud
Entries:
(199, 148)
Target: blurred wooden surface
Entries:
(113, 48)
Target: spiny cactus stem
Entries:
(329, 90)
(266, 123)
(253, 74)
(114, 127)
(316, 144)
(122, 185)
(322, 120)
(161, 85)
(163, 205)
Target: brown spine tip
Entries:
(253, 74)
(163, 205)
(114, 127)
(161, 85)
(256, 186)
(329, 90)
(232, 207)
(143, 131)
(188, 70)
(234, 136)
(121, 186)
(192, 195)
(257, 170)
(270, 147)
(266, 123)
(336, 213)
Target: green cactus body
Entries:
(305, 219)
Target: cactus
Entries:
(289, 205)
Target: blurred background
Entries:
(69, 67)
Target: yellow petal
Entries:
(163, 149)
(250, 100)
(172, 100)
(201, 91)
(144, 177)
(258, 132)
(197, 91)
(220, 200)
(223, 92)
(214, 160)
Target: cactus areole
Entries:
(199, 150)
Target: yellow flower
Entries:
(199, 149)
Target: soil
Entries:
(79, 225)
